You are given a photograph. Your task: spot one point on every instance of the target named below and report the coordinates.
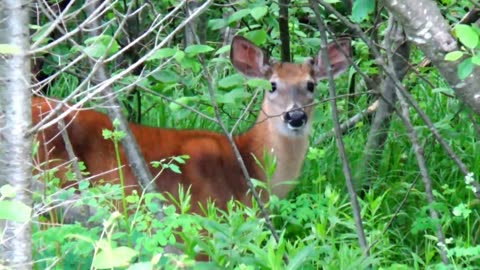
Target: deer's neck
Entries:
(289, 153)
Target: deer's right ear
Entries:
(249, 59)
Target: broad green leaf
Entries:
(476, 60)
(453, 56)
(238, 15)
(9, 49)
(230, 81)
(297, 261)
(300, 34)
(83, 185)
(312, 42)
(467, 35)
(260, 83)
(216, 24)
(41, 32)
(175, 106)
(14, 211)
(443, 90)
(97, 46)
(175, 168)
(166, 76)
(141, 266)
(179, 56)
(84, 238)
(114, 257)
(361, 9)
(7, 191)
(232, 96)
(465, 251)
(259, 12)
(222, 50)
(163, 53)
(193, 50)
(465, 68)
(258, 37)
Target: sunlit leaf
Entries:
(114, 257)
(465, 68)
(7, 191)
(258, 37)
(453, 56)
(361, 9)
(238, 15)
(163, 53)
(9, 49)
(259, 12)
(196, 49)
(467, 35)
(14, 211)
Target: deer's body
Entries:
(213, 170)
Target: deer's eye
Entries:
(274, 87)
(311, 87)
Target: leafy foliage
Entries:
(315, 223)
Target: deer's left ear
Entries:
(338, 53)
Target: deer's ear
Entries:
(338, 53)
(249, 59)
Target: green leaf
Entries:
(41, 33)
(175, 168)
(232, 96)
(107, 134)
(163, 53)
(312, 42)
(141, 266)
(258, 37)
(443, 90)
(7, 191)
(467, 35)
(14, 211)
(96, 47)
(238, 15)
(297, 261)
(166, 76)
(196, 49)
(465, 68)
(83, 185)
(222, 50)
(259, 12)
(453, 56)
(476, 60)
(361, 9)
(9, 49)
(260, 83)
(114, 257)
(231, 81)
(216, 24)
(175, 106)
(179, 56)
(465, 251)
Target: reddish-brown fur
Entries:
(212, 170)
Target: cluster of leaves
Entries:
(469, 36)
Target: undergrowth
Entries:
(315, 222)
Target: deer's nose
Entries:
(296, 118)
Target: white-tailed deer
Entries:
(212, 171)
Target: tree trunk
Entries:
(426, 27)
(15, 120)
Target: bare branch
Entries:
(341, 147)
